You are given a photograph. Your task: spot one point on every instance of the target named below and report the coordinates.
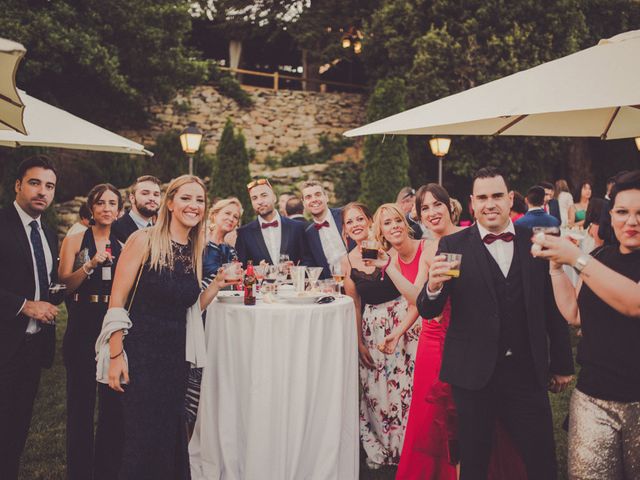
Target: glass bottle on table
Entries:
(250, 285)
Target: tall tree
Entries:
(230, 172)
(103, 61)
(386, 159)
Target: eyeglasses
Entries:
(622, 215)
(260, 181)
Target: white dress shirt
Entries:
(138, 220)
(332, 243)
(501, 251)
(272, 237)
(26, 219)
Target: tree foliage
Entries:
(230, 171)
(104, 61)
(386, 159)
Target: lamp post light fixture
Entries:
(638, 142)
(190, 139)
(440, 147)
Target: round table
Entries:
(279, 396)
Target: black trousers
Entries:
(19, 380)
(514, 397)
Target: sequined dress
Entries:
(155, 443)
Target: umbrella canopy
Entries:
(11, 107)
(591, 93)
(49, 126)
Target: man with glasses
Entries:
(271, 234)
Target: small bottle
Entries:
(107, 264)
(250, 285)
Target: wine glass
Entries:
(314, 274)
(338, 275)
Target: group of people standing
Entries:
(454, 369)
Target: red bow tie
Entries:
(320, 225)
(272, 224)
(505, 237)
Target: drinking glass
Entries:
(233, 271)
(297, 275)
(260, 272)
(454, 260)
(328, 286)
(338, 274)
(370, 249)
(314, 274)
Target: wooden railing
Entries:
(277, 77)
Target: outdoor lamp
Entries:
(190, 139)
(440, 147)
(638, 142)
(346, 41)
(357, 47)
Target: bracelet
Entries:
(555, 273)
(84, 269)
(116, 356)
(384, 269)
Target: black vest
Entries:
(514, 334)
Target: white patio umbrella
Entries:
(49, 126)
(11, 107)
(591, 93)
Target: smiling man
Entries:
(324, 234)
(506, 343)
(28, 256)
(271, 234)
(145, 199)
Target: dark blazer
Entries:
(537, 218)
(554, 209)
(17, 284)
(605, 231)
(250, 244)
(471, 344)
(124, 227)
(312, 235)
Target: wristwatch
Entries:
(581, 263)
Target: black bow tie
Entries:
(505, 237)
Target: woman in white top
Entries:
(565, 201)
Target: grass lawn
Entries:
(44, 456)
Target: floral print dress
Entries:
(386, 390)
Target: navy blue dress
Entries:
(155, 443)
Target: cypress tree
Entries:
(230, 171)
(386, 159)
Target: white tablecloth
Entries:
(279, 397)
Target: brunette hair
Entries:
(625, 181)
(98, 191)
(35, 161)
(438, 192)
(561, 186)
(145, 178)
(377, 228)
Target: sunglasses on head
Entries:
(260, 181)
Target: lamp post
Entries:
(190, 139)
(440, 147)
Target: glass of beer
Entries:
(370, 249)
(454, 260)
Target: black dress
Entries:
(86, 311)
(155, 443)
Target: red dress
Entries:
(431, 426)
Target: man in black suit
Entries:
(295, 209)
(270, 235)
(551, 205)
(506, 343)
(324, 234)
(29, 259)
(145, 202)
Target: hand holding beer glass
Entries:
(444, 267)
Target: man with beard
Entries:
(28, 255)
(271, 234)
(145, 201)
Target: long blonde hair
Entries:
(160, 251)
(377, 227)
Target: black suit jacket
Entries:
(312, 235)
(554, 209)
(250, 244)
(124, 227)
(471, 344)
(17, 284)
